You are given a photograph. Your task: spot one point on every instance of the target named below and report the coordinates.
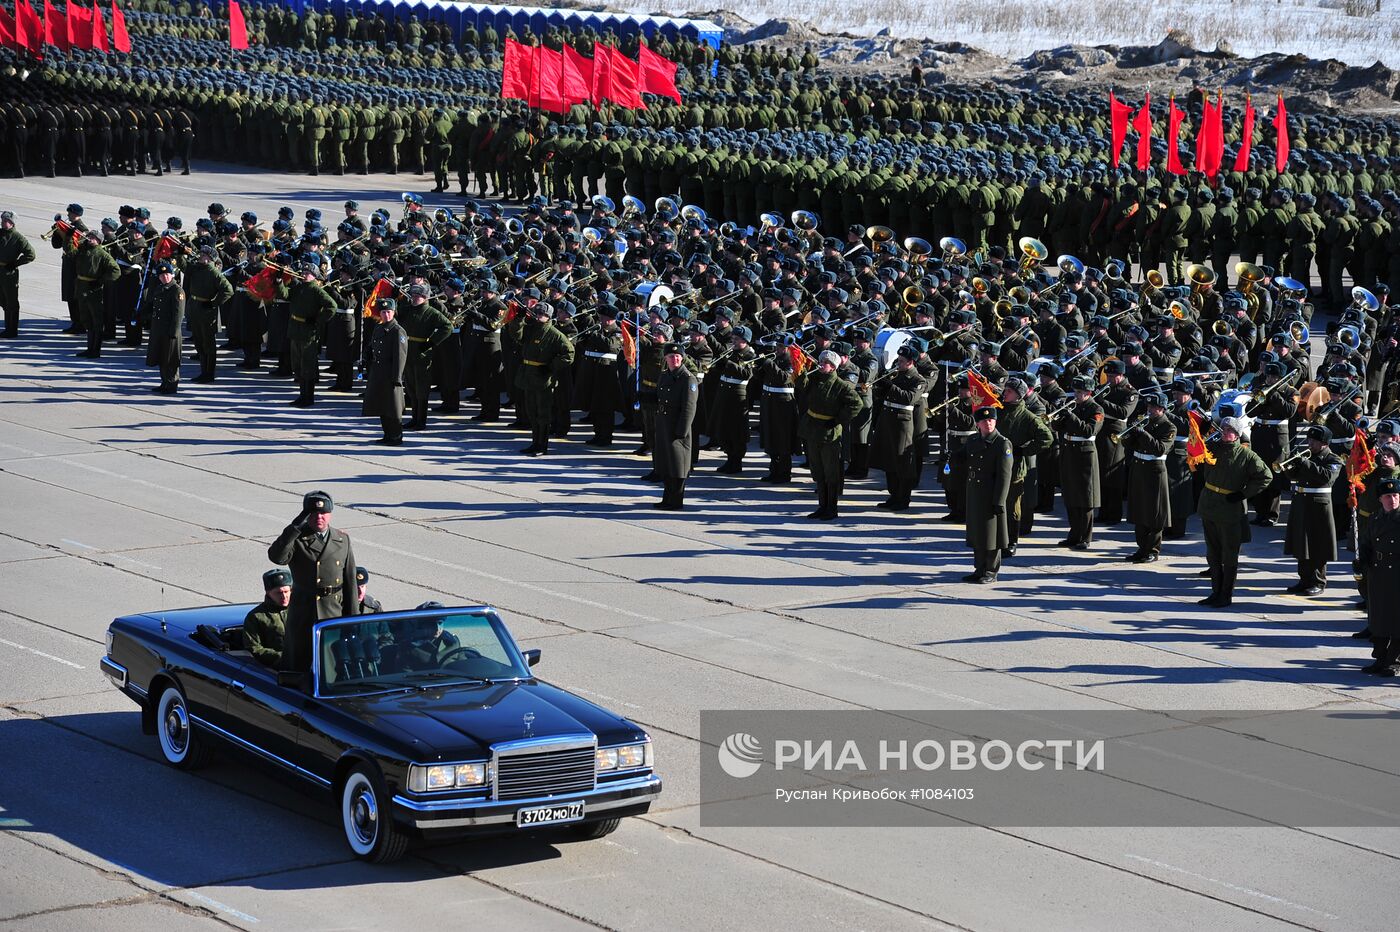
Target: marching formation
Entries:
(1015, 378)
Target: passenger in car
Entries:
(265, 627)
(369, 605)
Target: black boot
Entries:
(860, 461)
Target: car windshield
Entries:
(373, 653)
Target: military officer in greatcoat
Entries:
(384, 381)
(989, 472)
(1079, 425)
(677, 396)
(322, 565)
(1149, 443)
(1379, 557)
(1237, 474)
(1312, 533)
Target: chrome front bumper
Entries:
(114, 672)
(436, 814)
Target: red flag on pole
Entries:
(237, 28)
(1203, 136)
(121, 40)
(56, 28)
(1119, 115)
(1281, 129)
(517, 74)
(7, 31)
(1143, 124)
(79, 26)
(1210, 143)
(629, 344)
(551, 81)
(1196, 450)
(29, 32)
(576, 81)
(1246, 136)
(382, 289)
(600, 88)
(799, 358)
(626, 82)
(1360, 464)
(1174, 117)
(983, 395)
(658, 74)
(99, 31)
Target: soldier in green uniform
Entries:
(62, 238)
(1312, 532)
(15, 251)
(989, 474)
(893, 446)
(93, 269)
(1176, 222)
(265, 627)
(310, 308)
(677, 397)
(206, 290)
(546, 358)
(163, 309)
(831, 404)
(1236, 475)
(322, 564)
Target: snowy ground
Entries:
(1316, 28)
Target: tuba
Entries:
(1364, 300)
(805, 220)
(1033, 254)
(1249, 275)
(879, 235)
(918, 248)
(952, 247)
(604, 203)
(691, 212)
(1201, 278)
(633, 207)
(666, 209)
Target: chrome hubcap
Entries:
(364, 816)
(176, 727)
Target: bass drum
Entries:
(1233, 403)
(887, 344)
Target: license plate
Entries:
(549, 815)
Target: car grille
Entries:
(545, 773)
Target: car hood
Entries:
(465, 721)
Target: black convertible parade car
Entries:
(417, 723)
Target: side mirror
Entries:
(295, 679)
(532, 656)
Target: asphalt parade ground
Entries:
(114, 500)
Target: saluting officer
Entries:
(1312, 534)
(15, 251)
(322, 564)
(831, 403)
(384, 380)
(989, 474)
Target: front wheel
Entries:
(367, 819)
(179, 745)
(591, 830)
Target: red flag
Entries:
(55, 28)
(1174, 117)
(1203, 135)
(550, 81)
(799, 359)
(1359, 465)
(517, 74)
(99, 31)
(1210, 141)
(7, 31)
(262, 284)
(1281, 129)
(1143, 124)
(983, 395)
(1246, 136)
(1119, 115)
(121, 40)
(165, 248)
(629, 345)
(79, 26)
(1196, 450)
(626, 82)
(658, 74)
(382, 289)
(29, 32)
(576, 80)
(600, 87)
(237, 29)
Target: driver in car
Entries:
(431, 642)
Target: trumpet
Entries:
(1071, 402)
(1135, 425)
(1265, 393)
(1303, 454)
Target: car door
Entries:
(262, 714)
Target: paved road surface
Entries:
(115, 500)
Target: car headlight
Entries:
(471, 774)
(433, 777)
(626, 757)
(110, 638)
